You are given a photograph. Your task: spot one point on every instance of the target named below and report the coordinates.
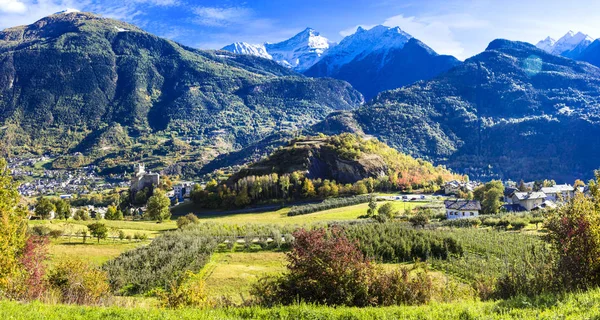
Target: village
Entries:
(517, 198)
(457, 195)
(38, 181)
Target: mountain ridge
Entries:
(73, 73)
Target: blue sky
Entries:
(458, 27)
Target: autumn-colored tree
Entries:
(575, 233)
(13, 229)
(325, 267)
(308, 189)
(34, 264)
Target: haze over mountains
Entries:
(78, 82)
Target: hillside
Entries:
(69, 74)
(344, 158)
(513, 111)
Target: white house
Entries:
(456, 209)
(559, 192)
(183, 190)
(528, 200)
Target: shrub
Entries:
(400, 287)
(187, 220)
(76, 281)
(55, 234)
(324, 268)
(40, 231)
(187, 291)
(33, 262)
(575, 232)
(519, 224)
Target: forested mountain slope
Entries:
(513, 111)
(70, 74)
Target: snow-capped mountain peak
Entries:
(300, 52)
(258, 50)
(364, 42)
(568, 45)
(546, 44)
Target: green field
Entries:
(572, 306)
(280, 216)
(108, 249)
(91, 251)
(232, 274)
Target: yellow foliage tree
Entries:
(13, 229)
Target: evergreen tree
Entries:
(372, 206)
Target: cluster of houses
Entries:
(514, 199)
(455, 187)
(545, 198)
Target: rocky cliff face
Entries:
(317, 160)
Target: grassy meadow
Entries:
(571, 306)
(231, 272)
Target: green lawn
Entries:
(91, 251)
(572, 306)
(232, 274)
(281, 217)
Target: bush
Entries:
(575, 232)
(326, 267)
(519, 224)
(55, 234)
(40, 231)
(400, 287)
(187, 220)
(76, 281)
(187, 291)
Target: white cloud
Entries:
(219, 17)
(12, 6)
(30, 11)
